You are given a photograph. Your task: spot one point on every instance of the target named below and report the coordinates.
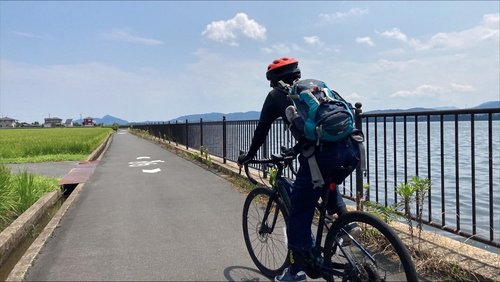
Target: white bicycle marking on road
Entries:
(151, 170)
(144, 163)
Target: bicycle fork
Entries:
(264, 227)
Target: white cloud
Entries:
(365, 40)
(487, 30)
(462, 88)
(339, 16)
(125, 36)
(491, 20)
(428, 90)
(395, 33)
(387, 65)
(282, 48)
(392, 52)
(354, 96)
(25, 34)
(311, 45)
(425, 90)
(312, 40)
(461, 80)
(227, 31)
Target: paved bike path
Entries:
(147, 214)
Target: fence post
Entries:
(201, 132)
(187, 135)
(169, 132)
(162, 131)
(224, 139)
(359, 173)
(176, 128)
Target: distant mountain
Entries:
(486, 105)
(410, 110)
(491, 104)
(106, 120)
(252, 115)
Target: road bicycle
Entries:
(373, 253)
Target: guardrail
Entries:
(458, 150)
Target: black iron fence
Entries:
(457, 150)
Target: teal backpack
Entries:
(327, 116)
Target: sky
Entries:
(158, 60)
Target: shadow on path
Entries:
(243, 273)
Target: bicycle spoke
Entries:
(371, 252)
(263, 231)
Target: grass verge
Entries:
(19, 191)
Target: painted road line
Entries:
(151, 170)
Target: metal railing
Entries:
(458, 150)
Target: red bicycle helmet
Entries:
(283, 68)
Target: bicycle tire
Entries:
(268, 248)
(390, 259)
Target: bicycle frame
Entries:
(281, 197)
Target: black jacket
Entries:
(274, 107)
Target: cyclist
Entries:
(303, 197)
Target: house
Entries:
(88, 121)
(52, 122)
(7, 122)
(68, 123)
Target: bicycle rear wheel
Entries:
(264, 229)
(371, 252)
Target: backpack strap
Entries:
(317, 178)
(359, 138)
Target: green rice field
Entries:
(19, 191)
(49, 144)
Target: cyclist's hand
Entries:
(288, 152)
(244, 158)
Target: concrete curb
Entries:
(97, 153)
(481, 263)
(16, 232)
(21, 268)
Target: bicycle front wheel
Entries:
(264, 229)
(361, 247)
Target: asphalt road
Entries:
(147, 214)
